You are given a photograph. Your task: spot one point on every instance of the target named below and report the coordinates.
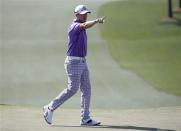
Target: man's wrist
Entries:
(97, 20)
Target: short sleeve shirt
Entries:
(77, 40)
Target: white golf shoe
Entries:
(47, 114)
(89, 122)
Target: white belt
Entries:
(75, 58)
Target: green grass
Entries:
(27, 118)
(140, 41)
(33, 52)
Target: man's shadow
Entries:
(118, 127)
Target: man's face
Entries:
(82, 18)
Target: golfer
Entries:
(76, 68)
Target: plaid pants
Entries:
(78, 76)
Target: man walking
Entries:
(76, 68)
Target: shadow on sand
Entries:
(118, 127)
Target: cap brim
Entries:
(84, 12)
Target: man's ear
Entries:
(76, 14)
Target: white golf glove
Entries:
(101, 20)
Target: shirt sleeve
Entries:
(76, 28)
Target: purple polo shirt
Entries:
(77, 40)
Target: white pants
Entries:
(78, 76)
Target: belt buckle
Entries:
(75, 58)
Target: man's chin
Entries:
(83, 21)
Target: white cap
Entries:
(81, 9)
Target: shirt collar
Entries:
(75, 20)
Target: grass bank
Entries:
(140, 41)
